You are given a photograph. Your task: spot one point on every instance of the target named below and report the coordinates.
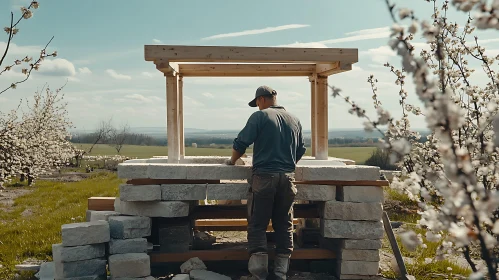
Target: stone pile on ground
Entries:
(195, 269)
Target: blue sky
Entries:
(100, 47)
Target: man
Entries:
(278, 146)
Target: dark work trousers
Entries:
(271, 197)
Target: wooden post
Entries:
(181, 115)
(321, 117)
(172, 119)
(313, 107)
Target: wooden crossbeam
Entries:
(228, 225)
(327, 69)
(246, 70)
(376, 183)
(179, 53)
(237, 255)
(101, 203)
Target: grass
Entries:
(52, 204)
(358, 154)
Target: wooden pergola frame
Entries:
(177, 61)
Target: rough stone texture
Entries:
(93, 215)
(127, 227)
(46, 272)
(166, 209)
(341, 173)
(140, 193)
(130, 265)
(175, 238)
(358, 268)
(133, 278)
(365, 244)
(183, 171)
(360, 255)
(117, 204)
(78, 234)
(93, 277)
(27, 267)
(181, 277)
(361, 194)
(218, 172)
(178, 192)
(78, 253)
(124, 246)
(207, 275)
(192, 264)
(351, 229)
(361, 277)
(351, 211)
(227, 191)
(315, 192)
(167, 171)
(132, 170)
(80, 268)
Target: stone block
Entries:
(340, 173)
(351, 211)
(218, 172)
(175, 238)
(47, 271)
(93, 215)
(359, 255)
(167, 171)
(117, 204)
(78, 234)
(93, 267)
(207, 275)
(192, 264)
(130, 265)
(77, 253)
(352, 229)
(125, 246)
(134, 278)
(181, 277)
(365, 244)
(132, 170)
(93, 277)
(361, 194)
(315, 192)
(227, 191)
(166, 209)
(140, 193)
(360, 277)
(183, 192)
(127, 227)
(358, 267)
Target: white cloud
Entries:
(139, 98)
(152, 74)
(21, 51)
(191, 102)
(487, 41)
(84, 70)
(380, 54)
(57, 67)
(208, 95)
(157, 41)
(256, 31)
(117, 76)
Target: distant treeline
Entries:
(147, 140)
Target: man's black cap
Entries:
(262, 91)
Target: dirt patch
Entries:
(8, 196)
(66, 177)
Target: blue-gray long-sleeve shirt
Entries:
(277, 137)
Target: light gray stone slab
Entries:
(315, 192)
(192, 264)
(167, 171)
(237, 191)
(359, 255)
(117, 204)
(140, 192)
(207, 275)
(359, 267)
(361, 194)
(352, 229)
(93, 267)
(124, 246)
(130, 265)
(78, 253)
(93, 215)
(78, 234)
(134, 278)
(127, 227)
(351, 211)
(46, 272)
(218, 172)
(132, 170)
(365, 244)
(179, 192)
(181, 277)
(340, 173)
(27, 267)
(166, 209)
(92, 277)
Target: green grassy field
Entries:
(358, 154)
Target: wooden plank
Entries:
(237, 255)
(321, 116)
(228, 222)
(180, 86)
(172, 119)
(101, 203)
(394, 245)
(248, 70)
(240, 211)
(313, 114)
(178, 53)
(169, 69)
(377, 183)
(326, 69)
(169, 181)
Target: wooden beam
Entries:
(246, 70)
(241, 212)
(101, 203)
(313, 107)
(175, 53)
(172, 122)
(180, 85)
(228, 225)
(321, 101)
(327, 69)
(237, 255)
(169, 69)
(376, 183)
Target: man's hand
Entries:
(229, 162)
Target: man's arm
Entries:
(246, 137)
(300, 150)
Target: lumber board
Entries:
(179, 53)
(376, 183)
(228, 225)
(246, 70)
(169, 181)
(240, 211)
(101, 203)
(237, 255)
(327, 69)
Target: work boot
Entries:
(258, 266)
(281, 266)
